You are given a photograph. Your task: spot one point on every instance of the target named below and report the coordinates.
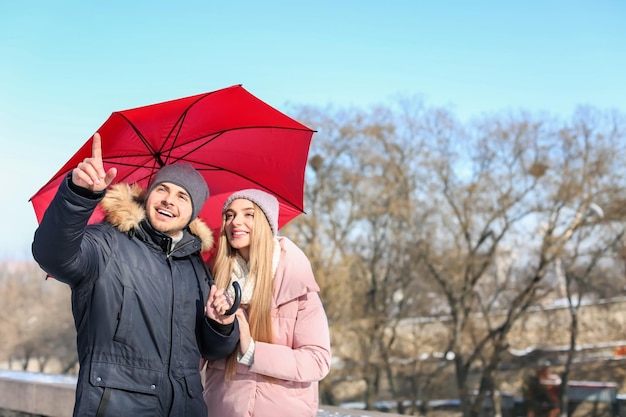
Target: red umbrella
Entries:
(234, 139)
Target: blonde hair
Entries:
(261, 254)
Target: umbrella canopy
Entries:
(232, 138)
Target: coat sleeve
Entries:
(309, 359)
(59, 245)
(216, 341)
(215, 345)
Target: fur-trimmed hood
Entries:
(123, 207)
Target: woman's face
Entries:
(239, 222)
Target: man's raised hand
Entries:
(90, 173)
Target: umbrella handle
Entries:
(236, 287)
(237, 301)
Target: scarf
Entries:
(241, 274)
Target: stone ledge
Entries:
(33, 394)
(37, 394)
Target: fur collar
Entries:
(123, 208)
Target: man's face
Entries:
(169, 208)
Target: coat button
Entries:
(152, 386)
(98, 379)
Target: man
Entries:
(541, 392)
(142, 307)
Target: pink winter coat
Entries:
(298, 358)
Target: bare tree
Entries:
(596, 140)
(410, 213)
(482, 189)
(361, 219)
(515, 175)
(36, 322)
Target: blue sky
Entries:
(66, 65)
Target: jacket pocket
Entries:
(194, 405)
(125, 316)
(118, 390)
(194, 384)
(126, 378)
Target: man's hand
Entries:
(217, 304)
(90, 173)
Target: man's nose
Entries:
(167, 199)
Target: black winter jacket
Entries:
(138, 308)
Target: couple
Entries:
(153, 337)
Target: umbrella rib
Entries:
(156, 155)
(178, 126)
(214, 135)
(261, 186)
(211, 137)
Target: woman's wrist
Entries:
(248, 357)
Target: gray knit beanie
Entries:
(266, 202)
(185, 176)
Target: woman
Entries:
(284, 348)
